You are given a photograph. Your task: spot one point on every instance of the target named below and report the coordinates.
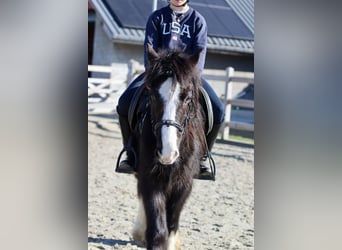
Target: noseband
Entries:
(168, 123)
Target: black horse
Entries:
(170, 142)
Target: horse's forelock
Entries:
(175, 62)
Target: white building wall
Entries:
(105, 52)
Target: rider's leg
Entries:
(127, 164)
(218, 115)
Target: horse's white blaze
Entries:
(173, 241)
(140, 223)
(169, 153)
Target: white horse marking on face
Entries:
(169, 153)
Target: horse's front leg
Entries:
(156, 224)
(175, 205)
(140, 223)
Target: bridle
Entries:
(181, 127)
(168, 123)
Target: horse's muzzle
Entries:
(168, 159)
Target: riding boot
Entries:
(128, 164)
(205, 169)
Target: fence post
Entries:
(228, 93)
(130, 72)
(112, 76)
(134, 67)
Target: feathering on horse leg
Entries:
(140, 223)
(156, 229)
(173, 241)
(174, 207)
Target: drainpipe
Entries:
(154, 7)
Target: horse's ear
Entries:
(151, 53)
(195, 57)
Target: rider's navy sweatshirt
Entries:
(167, 29)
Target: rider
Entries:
(174, 26)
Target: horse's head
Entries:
(171, 78)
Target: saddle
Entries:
(139, 105)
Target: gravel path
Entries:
(218, 215)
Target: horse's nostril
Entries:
(175, 154)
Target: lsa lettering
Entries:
(175, 27)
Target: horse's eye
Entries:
(185, 99)
(188, 99)
(183, 96)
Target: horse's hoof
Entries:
(178, 245)
(138, 236)
(174, 242)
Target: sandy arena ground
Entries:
(218, 215)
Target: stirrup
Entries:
(125, 167)
(208, 175)
(127, 170)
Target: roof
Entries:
(244, 9)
